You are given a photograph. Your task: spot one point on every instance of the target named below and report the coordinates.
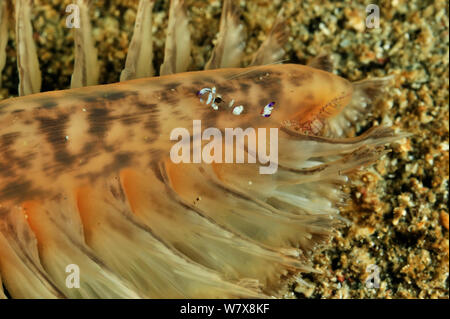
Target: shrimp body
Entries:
(87, 180)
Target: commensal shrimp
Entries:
(86, 177)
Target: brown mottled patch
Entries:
(244, 87)
(106, 96)
(19, 189)
(172, 85)
(118, 95)
(110, 148)
(121, 160)
(225, 89)
(88, 148)
(152, 122)
(64, 157)
(6, 169)
(99, 121)
(299, 77)
(24, 161)
(145, 106)
(169, 97)
(129, 120)
(8, 139)
(54, 129)
(47, 104)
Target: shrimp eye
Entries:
(218, 99)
